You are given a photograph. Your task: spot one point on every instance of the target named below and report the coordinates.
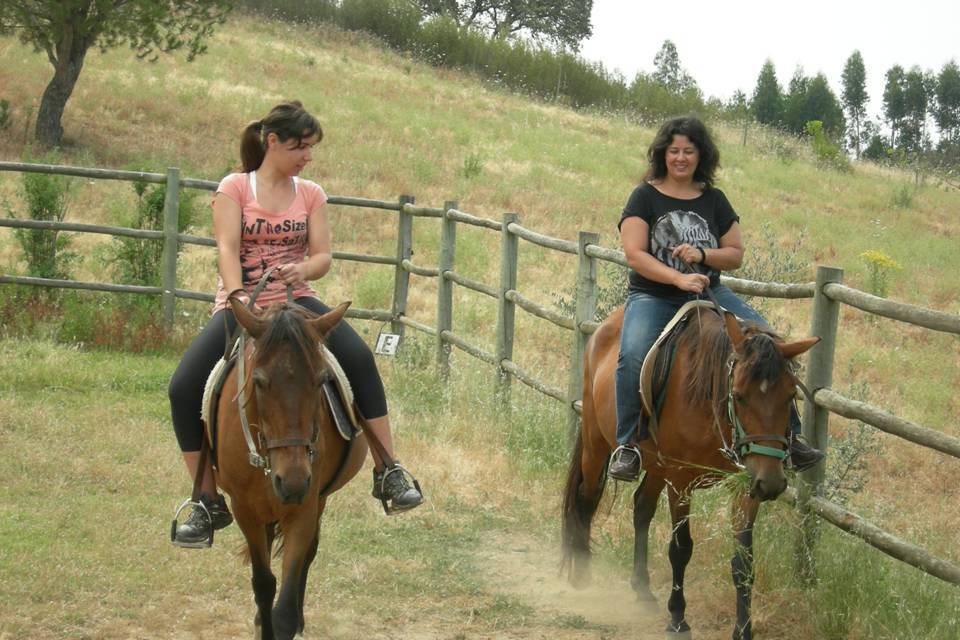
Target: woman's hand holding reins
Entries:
(291, 273)
(689, 253)
(691, 282)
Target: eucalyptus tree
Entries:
(855, 96)
(766, 105)
(947, 110)
(894, 104)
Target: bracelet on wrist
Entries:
(703, 256)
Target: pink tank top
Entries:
(269, 239)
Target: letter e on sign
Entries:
(387, 344)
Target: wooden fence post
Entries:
(171, 220)
(586, 301)
(509, 246)
(448, 252)
(401, 281)
(826, 315)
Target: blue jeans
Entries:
(644, 318)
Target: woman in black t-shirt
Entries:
(678, 233)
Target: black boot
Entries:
(198, 527)
(391, 487)
(625, 463)
(802, 455)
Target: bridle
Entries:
(741, 444)
(263, 443)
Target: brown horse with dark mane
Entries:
(279, 479)
(726, 407)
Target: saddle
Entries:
(335, 390)
(656, 365)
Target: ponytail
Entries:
(252, 146)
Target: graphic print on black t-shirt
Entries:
(680, 227)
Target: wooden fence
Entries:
(828, 294)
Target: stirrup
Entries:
(200, 544)
(389, 509)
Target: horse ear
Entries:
(793, 349)
(733, 330)
(325, 323)
(254, 324)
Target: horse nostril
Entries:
(277, 483)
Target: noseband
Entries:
(744, 444)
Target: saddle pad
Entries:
(650, 362)
(347, 428)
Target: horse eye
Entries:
(260, 379)
(739, 397)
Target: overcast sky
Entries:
(723, 45)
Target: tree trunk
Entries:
(67, 64)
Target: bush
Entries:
(829, 155)
(879, 266)
(139, 260)
(396, 21)
(46, 197)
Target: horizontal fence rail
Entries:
(827, 293)
(888, 422)
(911, 314)
(878, 538)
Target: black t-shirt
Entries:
(699, 222)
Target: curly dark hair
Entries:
(698, 134)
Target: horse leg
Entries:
(263, 581)
(644, 507)
(300, 535)
(584, 488)
(307, 561)
(742, 564)
(681, 548)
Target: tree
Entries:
(811, 99)
(668, 71)
(795, 113)
(916, 99)
(947, 110)
(822, 104)
(566, 23)
(767, 102)
(855, 96)
(894, 107)
(66, 30)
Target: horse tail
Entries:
(578, 511)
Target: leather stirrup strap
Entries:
(375, 445)
(201, 468)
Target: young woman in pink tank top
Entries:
(267, 217)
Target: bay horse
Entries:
(279, 480)
(726, 407)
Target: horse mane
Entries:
(709, 346)
(288, 327)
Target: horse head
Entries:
(283, 404)
(760, 393)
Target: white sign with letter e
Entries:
(387, 344)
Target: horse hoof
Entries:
(679, 631)
(580, 578)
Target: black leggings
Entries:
(186, 386)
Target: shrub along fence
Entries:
(828, 294)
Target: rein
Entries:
(254, 447)
(741, 444)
